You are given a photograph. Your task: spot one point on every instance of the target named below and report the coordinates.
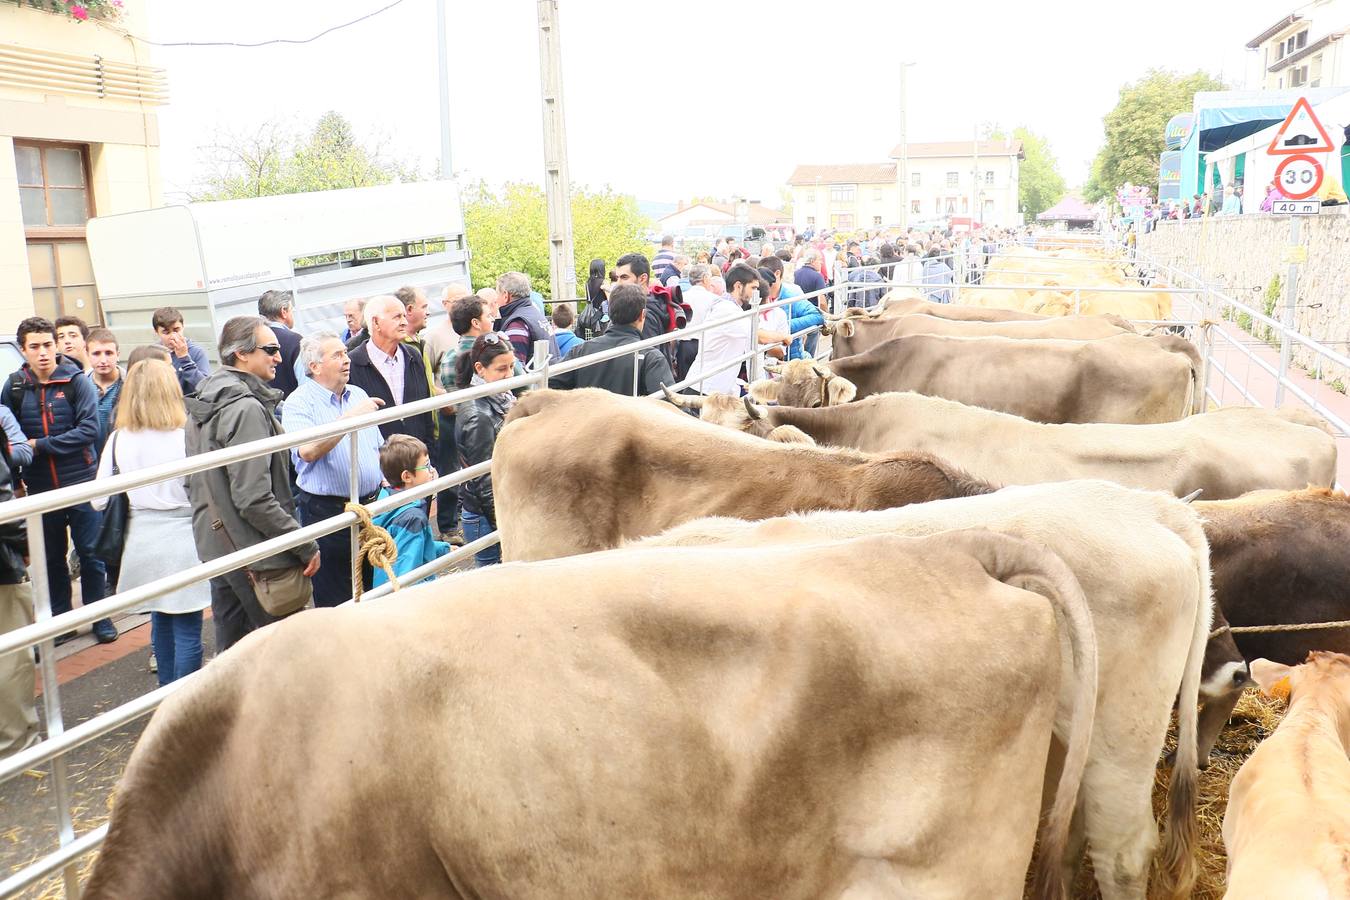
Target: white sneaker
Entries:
(154, 663)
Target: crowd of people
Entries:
(73, 413)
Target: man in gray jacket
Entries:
(243, 503)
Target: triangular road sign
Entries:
(1300, 133)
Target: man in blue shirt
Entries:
(801, 313)
(323, 468)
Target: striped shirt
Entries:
(313, 404)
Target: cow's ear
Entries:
(1272, 677)
(790, 434)
(845, 329)
(765, 391)
(841, 390)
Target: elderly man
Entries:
(387, 368)
(323, 467)
(243, 503)
(441, 336)
(522, 322)
(699, 295)
(351, 311)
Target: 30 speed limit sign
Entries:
(1299, 177)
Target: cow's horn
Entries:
(682, 399)
(752, 410)
(1192, 495)
(833, 317)
(773, 368)
(820, 371)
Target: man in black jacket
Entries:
(391, 370)
(18, 718)
(57, 406)
(627, 310)
(278, 308)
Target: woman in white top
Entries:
(150, 420)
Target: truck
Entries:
(212, 260)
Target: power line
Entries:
(308, 40)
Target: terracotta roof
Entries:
(1273, 30)
(960, 149)
(856, 173)
(759, 213)
(1069, 209)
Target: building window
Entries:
(1298, 76)
(810, 196)
(951, 206)
(841, 221)
(914, 206)
(915, 179)
(810, 221)
(965, 204)
(843, 193)
(953, 179)
(876, 221)
(989, 176)
(55, 202)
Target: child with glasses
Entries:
(405, 464)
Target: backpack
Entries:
(681, 354)
(592, 322)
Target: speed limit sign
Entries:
(1299, 177)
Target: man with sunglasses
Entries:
(246, 502)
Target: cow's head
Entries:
(738, 414)
(1224, 671)
(803, 383)
(1323, 671)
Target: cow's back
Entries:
(636, 723)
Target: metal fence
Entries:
(61, 740)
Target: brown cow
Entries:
(1129, 378)
(1279, 558)
(643, 466)
(631, 724)
(854, 336)
(910, 303)
(1224, 453)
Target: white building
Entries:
(945, 182)
(1306, 48)
(718, 214)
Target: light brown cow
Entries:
(909, 303)
(629, 724)
(1143, 563)
(1287, 825)
(1224, 453)
(854, 336)
(648, 466)
(1129, 378)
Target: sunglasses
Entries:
(270, 349)
(492, 337)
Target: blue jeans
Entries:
(476, 526)
(177, 639)
(83, 522)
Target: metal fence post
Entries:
(840, 290)
(1206, 348)
(752, 364)
(354, 485)
(51, 695)
(539, 365)
(637, 370)
(1290, 298)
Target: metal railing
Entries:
(60, 740)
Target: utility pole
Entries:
(443, 55)
(557, 187)
(902, 168)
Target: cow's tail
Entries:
(1178, 870)
(1034, 568)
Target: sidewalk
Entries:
(1260, 384)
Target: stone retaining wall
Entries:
(1241, 254)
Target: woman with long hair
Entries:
(594, 319)
(477, 423)
(150, 420)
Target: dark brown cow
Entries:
(1128, 379)
(639, 466)
(1279, 557)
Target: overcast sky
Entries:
(666, 100)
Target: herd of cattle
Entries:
(908, 623)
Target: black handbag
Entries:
(112, 531)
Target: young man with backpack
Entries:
(56, 404)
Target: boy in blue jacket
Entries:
(405, 464)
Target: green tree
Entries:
(1134, 128)
(268, 160)
(508, 231)
(1039, 184)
